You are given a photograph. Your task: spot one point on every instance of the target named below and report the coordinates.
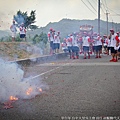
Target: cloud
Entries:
(52, 10)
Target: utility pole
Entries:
(99, 17)
(107, 21)
(116, 27)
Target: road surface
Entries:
(77, 88)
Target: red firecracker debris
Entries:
(8, 105)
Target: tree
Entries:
(22, 17)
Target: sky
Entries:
(55, 10)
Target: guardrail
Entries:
(41, 59)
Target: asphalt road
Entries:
(77, 88)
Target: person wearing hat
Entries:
(113, 45)
(22, 32)
(13, 30)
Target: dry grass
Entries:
(15, 50)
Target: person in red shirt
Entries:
(118, 44)
(22, 32)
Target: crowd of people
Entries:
(22, 31)
(54, 39)
(77, 44)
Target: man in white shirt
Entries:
(13, 30)
(86, 45)
(113, 45)
(50, 39)
(75, 47)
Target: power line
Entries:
(106, 4)
(88, 8)
(92, 5)
(106, 8)
(114, 12)
(111, 9)
(102, 9)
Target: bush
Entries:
(40, 38)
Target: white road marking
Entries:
(48, 71)
(44, 73)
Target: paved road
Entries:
(77, 88)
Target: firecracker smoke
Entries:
(12, 83)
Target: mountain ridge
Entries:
(67, 26)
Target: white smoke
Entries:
(12, 82)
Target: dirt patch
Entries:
(18, 50)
